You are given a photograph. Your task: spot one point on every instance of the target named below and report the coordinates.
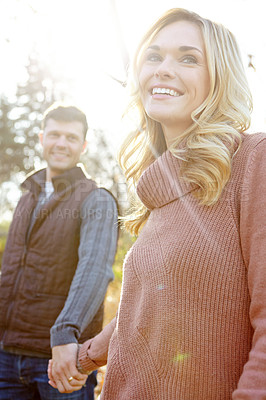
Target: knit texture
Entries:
(194, 290)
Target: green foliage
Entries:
(10, 150)
(3, 235)
(125, 241)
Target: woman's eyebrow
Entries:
(153, 47)
(181, 48)
(188, 48)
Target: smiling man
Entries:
(56, 268)
(62, 142)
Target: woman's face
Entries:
(174, 78)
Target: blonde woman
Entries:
(191, 323)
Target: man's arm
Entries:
(98, 240)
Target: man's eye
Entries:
(189, 60)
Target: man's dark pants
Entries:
(25, 378)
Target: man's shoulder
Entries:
(100, 195)
(102, 202)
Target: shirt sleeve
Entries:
(252, 383)
(98, 242)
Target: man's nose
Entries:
(61, 141)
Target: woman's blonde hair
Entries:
(208, 145)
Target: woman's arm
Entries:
(93, 353)
(252, 383)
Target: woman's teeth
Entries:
(170, 92)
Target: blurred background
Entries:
(79, 51)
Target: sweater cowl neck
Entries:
(161, 183)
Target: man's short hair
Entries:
(65, 113)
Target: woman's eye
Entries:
(153, 57)
(189, 60)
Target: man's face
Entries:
(63, 143)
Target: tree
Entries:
(10, 148)
(20, 118)
(100, 163)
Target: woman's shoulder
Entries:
(251, 153)
(251, 144)
(251, 140)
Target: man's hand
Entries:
(62, 370)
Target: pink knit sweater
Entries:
(192, 317)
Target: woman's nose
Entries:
(165, 69)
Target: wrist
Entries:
(78, 365)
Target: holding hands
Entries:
(62, 369)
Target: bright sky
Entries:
(78, 39)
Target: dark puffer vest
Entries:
(38, 266)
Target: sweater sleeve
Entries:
(93, 353)
(98, 241)
(252, 383)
